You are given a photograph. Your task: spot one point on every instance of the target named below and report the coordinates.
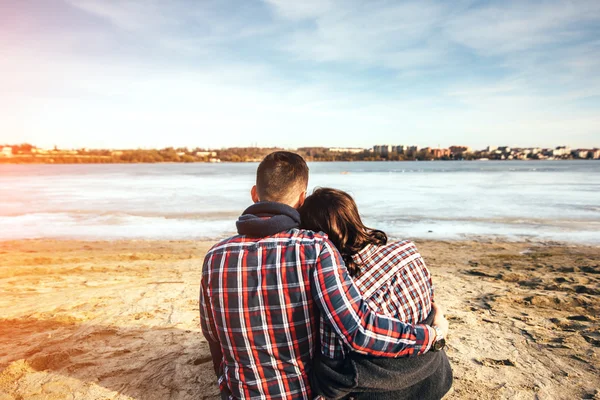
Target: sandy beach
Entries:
(119, 320)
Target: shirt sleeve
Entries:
(361, 329)
(207, 324)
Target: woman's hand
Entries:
(439, 320)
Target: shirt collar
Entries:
(364, 254)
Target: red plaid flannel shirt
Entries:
(394, 281)
(260, 302)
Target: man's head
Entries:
(282, 177)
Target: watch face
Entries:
(440, 344)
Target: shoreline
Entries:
(483, 239)
(81, 161)
(119, 319)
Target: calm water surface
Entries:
(544, 200)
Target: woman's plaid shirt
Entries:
(394, 281)
(261, 300)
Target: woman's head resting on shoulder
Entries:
(334, 212)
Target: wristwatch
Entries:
(440, 340)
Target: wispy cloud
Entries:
(515, 26)
(368, 34)
(130, 15)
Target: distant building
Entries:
(116, 153)
(400, 149)
(439, 153)
(413, 149)
(504, 149)
(7, 151)
(383, 150)
(596, 154)
(582, 153)
(41, 151)
(353, 150)
(561, 151)
(206, 154)
(460, 149)
(489, 149)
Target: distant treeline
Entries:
(28, 154)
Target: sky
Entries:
(213, 74)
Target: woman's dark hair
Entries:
(334, 212)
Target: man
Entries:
(263, 290)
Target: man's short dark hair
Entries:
(280, 174)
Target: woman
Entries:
(395, 281)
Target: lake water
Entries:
(514, 200)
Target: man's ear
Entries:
(254, 194)
(301, 199)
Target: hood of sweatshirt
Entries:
(267, 218)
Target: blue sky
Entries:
(146, 73)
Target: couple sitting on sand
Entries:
(306, 301)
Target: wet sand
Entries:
(119, 320)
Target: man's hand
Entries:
(439, 320)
